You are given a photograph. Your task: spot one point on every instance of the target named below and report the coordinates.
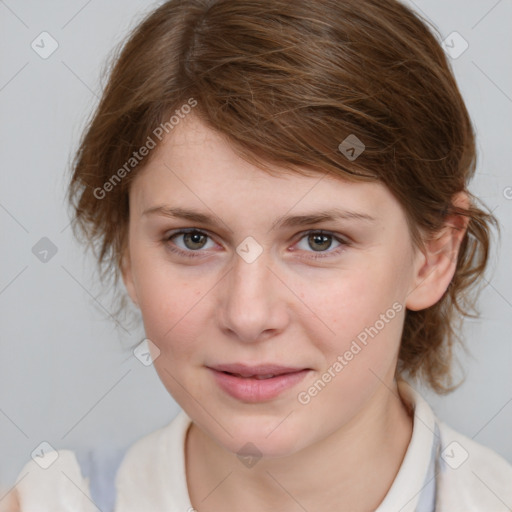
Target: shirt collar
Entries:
(414, 487)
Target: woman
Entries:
(283, 189)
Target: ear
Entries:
(435, 267)
(127, 274)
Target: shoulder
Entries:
(152, 467)
(53, 480)
(154, 446)
(472, 477)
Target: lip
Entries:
(251, 389)
(261, 369)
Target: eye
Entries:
(193, 241)
(320, 241)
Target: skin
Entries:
(343, 449)
(9, 502)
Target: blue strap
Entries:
(101, 469)
(427, 499)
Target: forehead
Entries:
(195, 165)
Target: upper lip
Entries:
(249, 371)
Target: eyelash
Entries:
(195, 254)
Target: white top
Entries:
(443, 471)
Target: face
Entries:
(326, 298)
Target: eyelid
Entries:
(184, 231)
(334, 234)
(315, 255)
(343, 240)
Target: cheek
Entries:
(174, 318)
(171, 303)
(354, 299)
(359, 350)
(362, 316)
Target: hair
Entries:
(287, 83)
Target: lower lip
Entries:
(257, 390)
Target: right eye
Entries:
(193, 240)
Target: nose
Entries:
(253, 300)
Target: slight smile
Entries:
(256, 383)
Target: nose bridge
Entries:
(251, 298)
(249, 278)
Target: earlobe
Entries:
(436, 266)
(126, 272)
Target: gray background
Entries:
(66, 376)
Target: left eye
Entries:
(193, 239)
(320, 241)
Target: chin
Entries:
(262, 447)
(266, 436)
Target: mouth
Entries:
(267, 370)
(258, 383)
(258, 377)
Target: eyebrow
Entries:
(282, 222)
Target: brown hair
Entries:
(286, 83)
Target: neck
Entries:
(352, 469)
